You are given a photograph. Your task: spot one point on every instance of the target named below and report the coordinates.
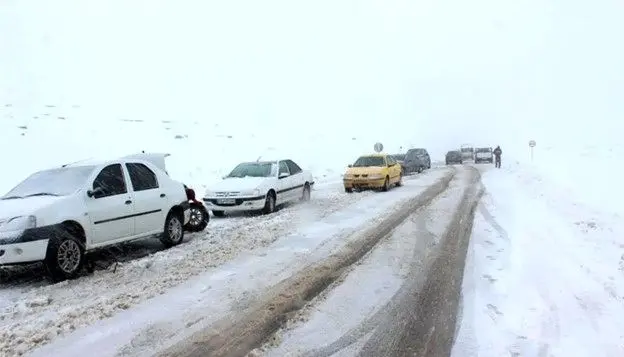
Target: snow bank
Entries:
(543, 275)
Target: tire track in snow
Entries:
(394, 329)
(237, 335)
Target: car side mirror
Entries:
(350, 166)
(95, 192)
(283, 174)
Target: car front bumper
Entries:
(238, 204)
(14, 251)
(363, 183)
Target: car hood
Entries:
(237, 184)
(25, 206)
(365, 170)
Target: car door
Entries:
(150, 201)
(297, 178)
(285, 184)
(110, 208)
(392, 169)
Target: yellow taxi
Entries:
(376, 171)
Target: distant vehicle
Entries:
(484, 155)
(259, 186)
(422, 154)
(400, 158)
(376, 171)
(467, 152)
(417, 160)
(58, 215)
(454, 157)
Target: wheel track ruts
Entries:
(392, 326)
(421, 321)
(235, 337)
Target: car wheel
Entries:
(386, 185)
(65, 256)
(174, 231)
(305, 196)
(218, 213)
(348, 190)
(199, 218)
(269, 203)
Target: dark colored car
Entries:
(416, 160)
(454, 157)
(400, 158)
(483, 155)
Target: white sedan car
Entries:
(58, 215)
(259, 186)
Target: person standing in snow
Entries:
(497, 156)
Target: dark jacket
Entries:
(498, 152)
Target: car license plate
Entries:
(226, 201)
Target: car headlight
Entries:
(253, 193)
(208, 194)
(18, 223)
(375, 177)
(348, 176)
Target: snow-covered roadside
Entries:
(34, 313)
(339, 321)
(167, 318)
(544, 276)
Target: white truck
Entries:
(57, 215)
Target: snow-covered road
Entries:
(171, 294)
(367, 311)
(353, 274)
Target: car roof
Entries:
(154, 159)
(374, 155)
(260, 162)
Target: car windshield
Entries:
(467, 150)
(484, 150)
(366, 161)
(55, 182)
(399, 157)
(453, 153)
(254, 169)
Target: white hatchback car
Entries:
(259, 186)
(58, 215)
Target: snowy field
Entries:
(545, 269)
